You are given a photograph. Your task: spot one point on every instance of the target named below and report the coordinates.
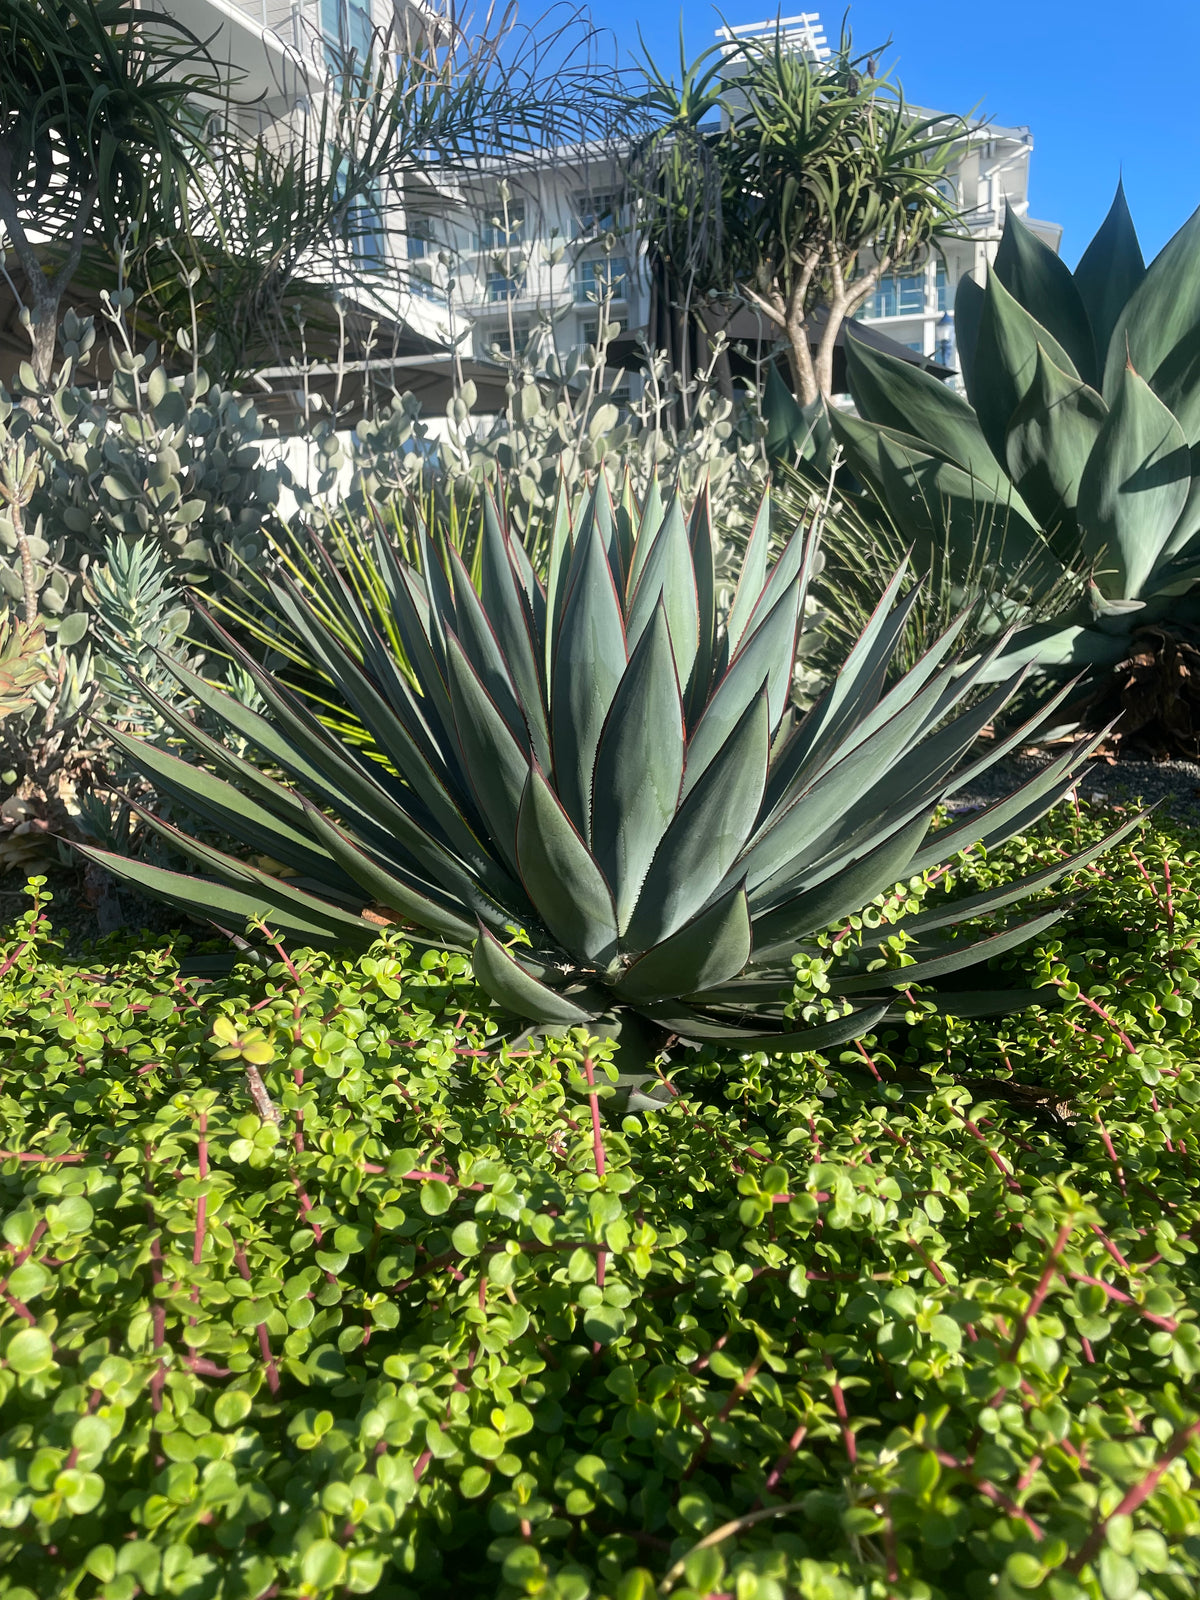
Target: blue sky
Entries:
(1104, 86)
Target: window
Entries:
(493, 340)
(504, 229)
(346, 27)
(597, 280)
(943, 288)
(917, 346)
(501, 287)
(420, 240)
(596, 213)
(897, 295)
(589, 333)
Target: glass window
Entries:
(493, 339)
(943, 288)
(501, 287)
(589, 333)
(594, 280)
(910, 293)
(346, 27)
(596, 213)
(503, 230)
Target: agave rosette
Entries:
(599, 785)
(1073, 454)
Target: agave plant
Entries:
(1074, 450)
(601, 790)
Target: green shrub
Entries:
(456, 1325)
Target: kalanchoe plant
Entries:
(1073, 454)
(601, 787)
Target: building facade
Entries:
(540, 258)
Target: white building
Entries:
(483, 263)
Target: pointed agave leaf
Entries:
(206, 900)
(496, 765)
(707, 834)
(968, 953)
(991, 900)
(1041, 281)
(767, 656)
(903, 397)
(752, 576)
(712, 948)
(1049, 443)
(225, 807)
(1133, 489)
(475, 630)
(785, 925)
(700, 538)
(285, 899)
(656, 524)
(558, 570)
(588, 665)
(669, 575)
(1006, 360)
(969, 301)
(639, 766)
(1109, 273)
(564, 884)
(385, 888)
(504, 606)
(1160, 324)
(691, 1024)
(501, 975)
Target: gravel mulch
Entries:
(1173, 785)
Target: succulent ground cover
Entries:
(915, 1321)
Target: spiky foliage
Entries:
(600, 788)
(1074, 450)
(21, 664)
(140, 615)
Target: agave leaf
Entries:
(707, 833)
(639, 766)
(564, 884)
(1004, 818)
(902, 397)
(1006, 360)
(700, 539)
(991, 900)
(712, 947)
(650, 529)
(329, 769)
(1133, 489)
(410, 612)
(1061, 643)
(225, 807)
(969, 301)
(208, 900)
(935, 504)
(385, 888)
(1049, 442)
(496, 765)
(669, 575)
(1109, 272)
(558, 570)
(588, 665)
(854, 887)
(502, 603)
(691, 1024)
(475, 630)
(767, 656)
(969, 952)
(503, 977)
(752, 576)
(1041, 281)
(1159, 326)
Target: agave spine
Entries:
(599, 784)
